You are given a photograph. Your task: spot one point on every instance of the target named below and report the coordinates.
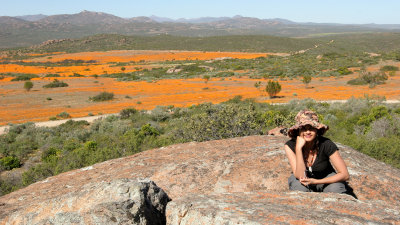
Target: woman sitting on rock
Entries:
(315, 160)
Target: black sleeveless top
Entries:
(322, 166)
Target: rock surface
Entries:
(275, 207)
(120, 201)
(226, 180)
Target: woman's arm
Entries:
(294, 160)
(341, 172)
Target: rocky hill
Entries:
(24, 31)
(232, 181)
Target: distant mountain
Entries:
(30, 30)
(83, 18)
(142, 19)
(202, 20)
(161, 19)
(8, 20)
(32, 18)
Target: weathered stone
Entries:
(274, 207)
(278, 131)
(120, 201)
(216, 169)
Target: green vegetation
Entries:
(63, 115)
(55, 84)
(23, 76)
(9, 163)
(273, 88)
(389, 68)
(103, 96)
(370, 78)
(28, 85)
(367, 125)
(306, 79)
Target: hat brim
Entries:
(294, 130)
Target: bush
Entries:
(209, 122)
(273, 88)
(372, 79)
(28, 85)
(103, 96)
(306, 79)
(23, 77)
(389, 68)
(64, 115)
(56, 83)
(344, 71)
(225, 74)
(9, 163)
(76, 75)
(53, 75)
(127, 113)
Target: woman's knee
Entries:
(335, 188)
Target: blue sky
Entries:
(335, 11)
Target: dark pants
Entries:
(295, 185)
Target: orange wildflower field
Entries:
(39, 104)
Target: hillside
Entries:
(16, 32)
(344, 43)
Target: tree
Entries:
(273, 88)
(28, 85)
(123, 69)
(206, 78)
(306, 79)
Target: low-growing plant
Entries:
(370, 78)
(103, 96)
(76, 75)
(23, 77)
(388, 68)
(9, 163)
(55, 84)
(64, 115)
(53, 75)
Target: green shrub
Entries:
(344, 71)
(103, 96)
(306, 79)
(372, 79)
(219, 122)
(76, 75)
(273, 88)
(225, 74)
(127, 113)
(53, 75)
(64, 115)
(28, 85)
(9, 163)
(55, 84)
(24, 77)
(389, 68)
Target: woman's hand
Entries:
(300, 142)
(307, 181)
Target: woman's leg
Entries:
(295, 185)
(338, 187)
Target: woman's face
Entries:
(308, 132)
